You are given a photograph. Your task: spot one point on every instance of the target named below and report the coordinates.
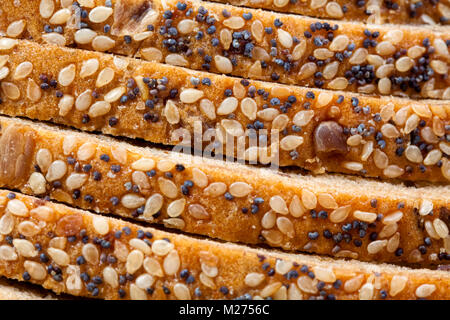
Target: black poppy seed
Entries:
(228, 196)
(271, 272)
(265, 266)
(337, 284)
(399, 252)
(151, 173)
(43, 258)
(190, 279)
(320, 285)
(311, 275)
(198, 292)
(97, 175)
(57, 277)
(313, 235)
(127, 230)
(277, 23)
(165, 289)
(76, 194)
(26, 276)
(168, 175)
(323, 214)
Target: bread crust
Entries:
(102, 257)
(13, 290)
(376, 12)
(318, 130)
(316, 59)
(228, 201)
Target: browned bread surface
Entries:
(319, 130)
(228, 201)
(291, 49)
(371, 11)
(96, 256)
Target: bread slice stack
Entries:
(202, 150)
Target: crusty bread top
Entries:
(228, 201)
(96, 256)
(135, 27)
(375, 12)
(318, 130)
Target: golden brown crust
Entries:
(371, 11)
(413, 60)
(319, 130)
(111, 259)
(229, 201)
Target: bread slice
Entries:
(14, 290)
(225, 200)
(372, 11)
(319, 130)
(95, 256)
(291, 49)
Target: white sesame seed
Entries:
(8, 253)
(393, 171)
(366, 292)
(240, 189)
(191, 95)
(285, 38)
(86, 151)
(103, 43)
(306, 284)
(199, 212)
(35, 270)
(162, 247)
(33, 91)
(111, 277)
(134, 261)
(376, 246)
(46, 8)
(15, 28)
(60, 17)
(10, 90)
(286, 227)
(37, 183)
(17, 208)
(302, 118)
(67, 75)
(65, 104)
(7, 43)
(365, 216)
(90, 253)
(223, 64)
(152, 266)
(232, 127)
(309, 199)
(84, 36)
(6, 224)
(101, 225)
(227, 106)
(176, 60)
(254, 279)
(89, 67)
(54, 39)
(132, 201)
(234, 22)
(425, 290)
